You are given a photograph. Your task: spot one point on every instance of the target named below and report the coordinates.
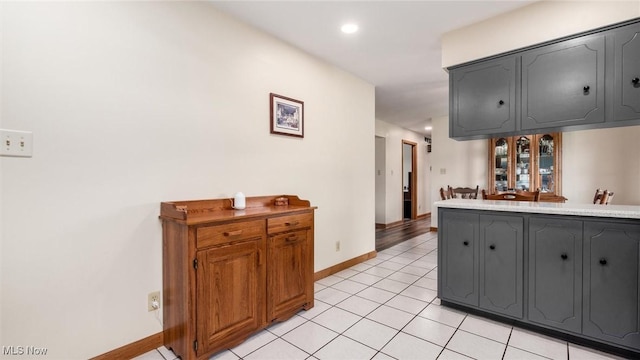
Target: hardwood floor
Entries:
(386, 238)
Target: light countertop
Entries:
(610, 211)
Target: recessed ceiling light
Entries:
(427, 128)
(349, 28)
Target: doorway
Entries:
(409, 180)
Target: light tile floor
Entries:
(386, 308)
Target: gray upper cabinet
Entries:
(612, 282)
(555, 272)
(563, 84)
(483, 98)
(501, 266)
(459, 246)
(584, 81)
(626, 77)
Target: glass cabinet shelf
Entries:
(526, 162)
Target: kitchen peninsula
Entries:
(568, 270)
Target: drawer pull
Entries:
(586, 88)
(293, 223)
(564, 256)
(635, 81)
(291, 238)
(232, 233)
(501, 102)
(603, 261)
(465, 243)
(492, 247)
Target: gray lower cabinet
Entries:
(483, 98)
(576, 275)
(626, 89)
(555, 272)
(458, 246)
(501, 267)
(563, 84)
(612, 282)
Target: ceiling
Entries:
(397, 47)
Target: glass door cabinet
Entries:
(527, 163)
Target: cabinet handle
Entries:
(492, 247)
(259, 257)
(586, 88)
(232, 233)
(501, 102)
(564, 256)
(293, 223)
(603, 261)
(465, 243)
(635, 81)
(291, 238)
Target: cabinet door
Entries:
(230, 293)
(483, 98)
(287, 279)
(555, 272)
(458, 274)
(626, 104)
(611, 282)
(501, 267)
(563, 84)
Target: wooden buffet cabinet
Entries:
(229, 273)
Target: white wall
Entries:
(532, 24)
(455, 163)
(380, 175)
(134, 103)
(393, 136)
(604, 158)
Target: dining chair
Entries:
(515, 196)
(603, 197)
(445, 194)
(464, 192)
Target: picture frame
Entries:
(287, 116)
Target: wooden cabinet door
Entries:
(483, 98)
(288, 279)
(555, 272)
(612, 282)
(626, 88)
(458, 277)
(501, 265)
(230, 294)
(563, 84)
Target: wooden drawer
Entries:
(221, 234)
(289, 222)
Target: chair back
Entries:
(464, 192)
(445, 194)
(603, 197)
(517, 196)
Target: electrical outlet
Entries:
(16, 143)
(337, 245)
(153, 301)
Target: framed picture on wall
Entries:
(287, 116)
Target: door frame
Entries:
(413, 183)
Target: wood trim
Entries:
(344, 265)
(433, 229)
(134, 349)
(423, 216)
(414, 177)
(389, 225)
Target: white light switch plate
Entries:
(16, 143)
